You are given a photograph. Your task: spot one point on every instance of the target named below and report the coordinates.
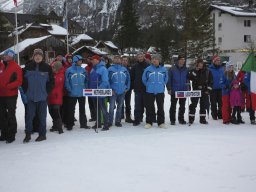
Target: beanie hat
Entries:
(148, 56)
(68, 55)
(96, 57)
(77, 58)
(57, 65)
(38, 52)
(215, 57)
(229, 64)
(157, 57)
(10, 53)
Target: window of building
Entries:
(247, 38)
(220, 26)
(219, 40)
(220, 14)
(247, 23)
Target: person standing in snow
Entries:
(99, 80)
(216, 93)
(10, 80)
(128, 119)
(201, 79)
(225, 81)
(55, 98)
(76, 80)
(119, 80)
(236, 102)
(247, 81)
(138, 88)
(155, 78)
(38, 83)
(178, 81)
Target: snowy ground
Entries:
(212, 158)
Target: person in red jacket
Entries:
(246, 96)
(55, 98)
(64, 107)
(10, 80)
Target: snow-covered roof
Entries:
(57, 30)
(92, 49)
(111, 44)
(26, 43)
(81, 37)
(237, 11)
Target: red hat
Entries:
(215, 57)
(97, 57)
(148, 56)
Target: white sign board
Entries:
(187, 94)
(97, 92)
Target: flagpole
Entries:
(67, 26)
(17, 36)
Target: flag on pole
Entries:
(250, 66)
(65, 20)
(15, 3)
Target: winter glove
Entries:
(194, 74)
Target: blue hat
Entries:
(10, 53)
(77, 58)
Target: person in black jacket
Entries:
(202, 80)
(138, 87)
(38, 81)
(128, 119)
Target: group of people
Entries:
(61, 85)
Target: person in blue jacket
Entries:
(75, 81)
(178, 81)
(119, 80)
(155, 78)
(99, 80)
(216, 94)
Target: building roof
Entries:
(93, 50)
(109, 44)
(57, 30)
(26, 43)
(82, 37)
(236, 11)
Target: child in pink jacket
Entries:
(236, 102)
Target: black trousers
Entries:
(150, 108)
(92, 109)
(202, 105)
(236, 113)
(64, 109)
(172, 111)
(216, 103)
(8, 122)
(71, 111)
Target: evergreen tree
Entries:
(197, 32)
(127, 28)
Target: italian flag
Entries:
(250, 66)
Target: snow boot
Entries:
(253, 122)
(234, 121)
(191, 119)
(202, 120)
(27, 138)
(118, 124)
(40, 138)
(128, 119)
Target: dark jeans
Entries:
(139, 106)
(35, 120)
(71, 111)
(236, 113)
(92, 109)
(39, 108)
(119, 100)
(127, 104)
(100, 106)
(202, 105)
(8, 122)
(172, 111)
(216, 103)
(54, 111)
(150, 108)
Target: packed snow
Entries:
(199, 158)
(235, 10)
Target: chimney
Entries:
(250, 4)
